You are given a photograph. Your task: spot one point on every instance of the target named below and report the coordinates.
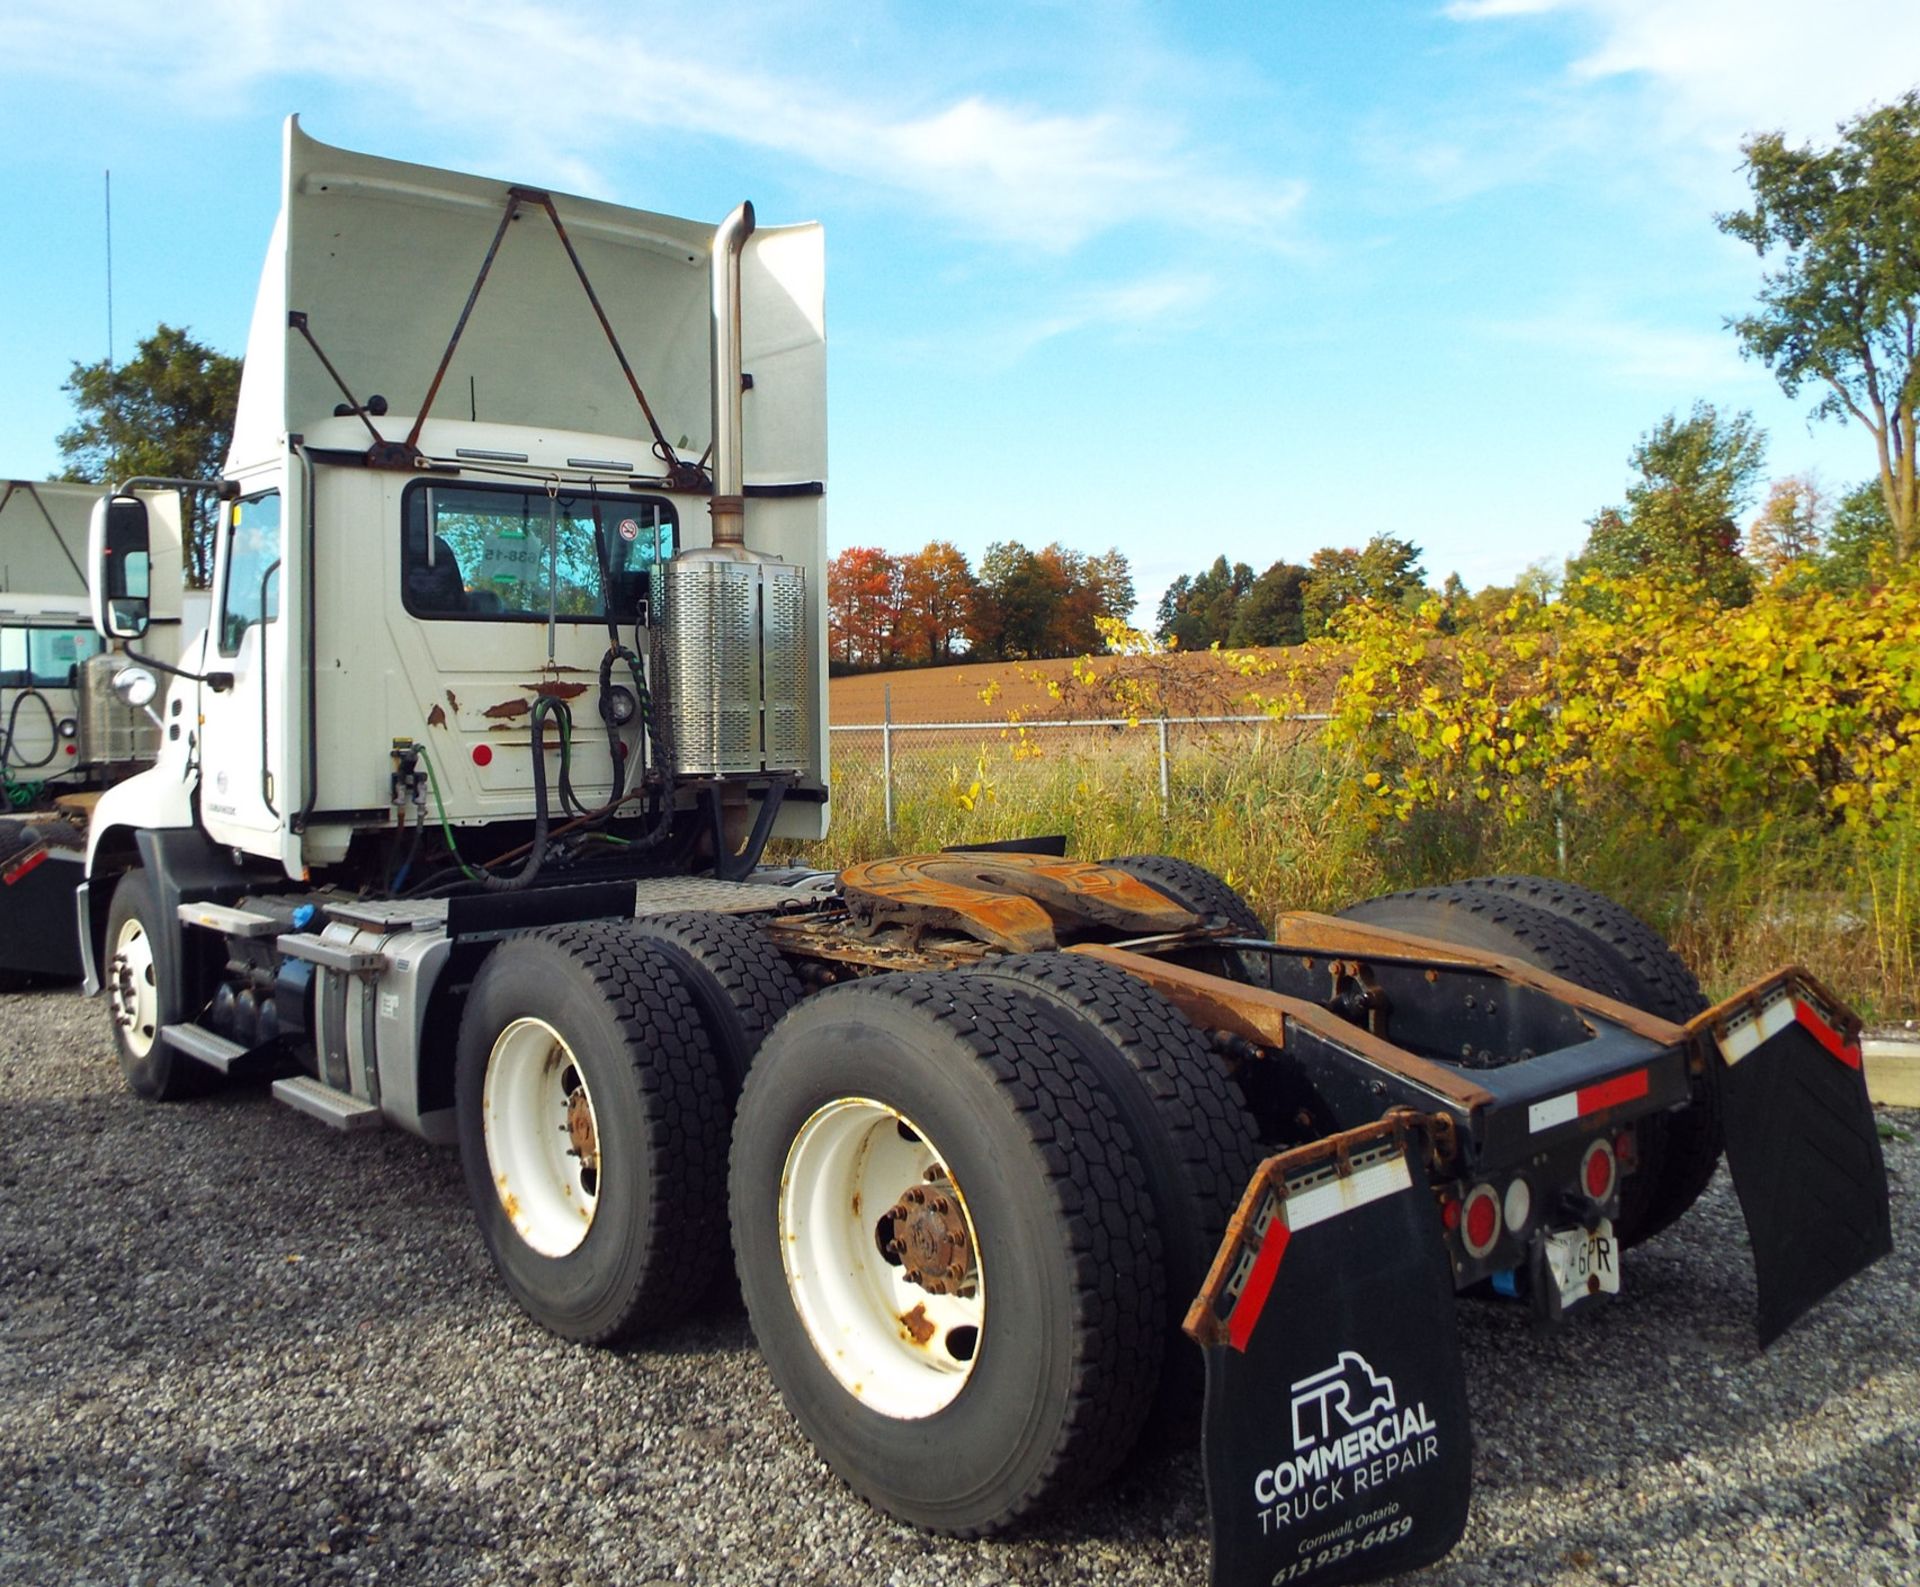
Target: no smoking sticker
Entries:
(629, 530)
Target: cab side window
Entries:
(252, 592)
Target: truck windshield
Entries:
(45, 658)
(493, 552)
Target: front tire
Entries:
(138, 1002)
(592, 1125)
(950, 1266)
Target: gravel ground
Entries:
(236, 1347)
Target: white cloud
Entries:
(1720, 69)
(1149, 306)
(1634, 351)
(1480, 10)
(574, 85)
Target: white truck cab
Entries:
(487, 491)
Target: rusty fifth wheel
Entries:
(949, 1262)
(592, 1121)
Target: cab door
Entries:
(245, 788)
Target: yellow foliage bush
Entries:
(1687, 715)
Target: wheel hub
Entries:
(133, 997)
(929, 1239)
(581, 1132)
(542, 1139)
(893, 1301)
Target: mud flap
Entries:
(1336, 1439)
(1801, 1143)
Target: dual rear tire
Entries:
(1588, 939)
(968, 1210)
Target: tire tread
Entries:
(1085, 1158)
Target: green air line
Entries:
(446, 827)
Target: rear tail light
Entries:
(1480, 1220)
(1599, 1171)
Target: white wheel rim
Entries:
(543, 1138)
(133, 994)
(901, 1347)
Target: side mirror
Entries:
(119, 566)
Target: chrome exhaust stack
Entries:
(730, 644)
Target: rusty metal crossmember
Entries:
(1011, 901)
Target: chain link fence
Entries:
(951, 781)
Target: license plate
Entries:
(1584, 1264)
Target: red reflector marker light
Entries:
(483, 754)
(1480, 1224)
(1597, 1171)
(1449, 1214)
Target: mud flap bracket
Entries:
(1801, 1140)
(1336, 1439)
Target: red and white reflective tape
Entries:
(1571, 1105)
(1743, 1036)
(1302, 1209)
(31, 862)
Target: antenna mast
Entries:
(109, 272)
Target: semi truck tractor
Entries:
(64, 734)
(516, 663)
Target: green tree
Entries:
(168, 413)
(1013, 602)
(1098, 587)
(1841, 308)
(1271, 612)
(1680, 519)
(1384, 572)
(1859, 540)
(1198, 611)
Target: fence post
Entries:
(886, 749)
(1165, 786)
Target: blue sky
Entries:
(1180, 278)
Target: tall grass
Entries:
(1271, 813)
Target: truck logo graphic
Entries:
(1349, 1389)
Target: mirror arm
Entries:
(225, 489)
(219, 682)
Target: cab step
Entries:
(228, 921)
(340, 1110)
(229, 1057)
(209, 1047)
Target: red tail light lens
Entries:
(1480, 1223)
(1598, 1171)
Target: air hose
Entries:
(7, 757)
